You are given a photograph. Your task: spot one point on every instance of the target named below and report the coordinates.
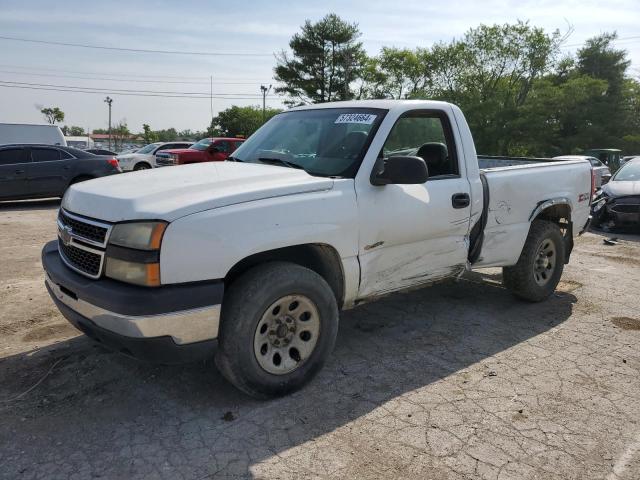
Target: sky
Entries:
(247, 32)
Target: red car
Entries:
(206, 150)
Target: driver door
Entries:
(220, 150)
(413, 234)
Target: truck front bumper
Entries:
(168, 324)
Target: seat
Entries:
(436, 157)
(349, 148)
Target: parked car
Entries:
(205, 150)
(145, 158)
(11, 133)
(609, 156)
(325, 207)
(40, 171)
(625, 159)
(617, 204)
(601, 171)
(101, 151)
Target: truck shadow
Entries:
(629, 234)
(97, 403)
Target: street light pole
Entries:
(265, 91)
(109, 101)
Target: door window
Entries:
(222, 147)
(45, 154)
(426, 135)
(11, 156)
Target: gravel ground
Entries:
(455, 381)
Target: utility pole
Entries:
(211, 96)
(265, 91)
(109, 101)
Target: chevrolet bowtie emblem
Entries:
(65, 235)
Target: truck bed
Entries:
(515, 189)
(491, 161)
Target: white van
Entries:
(28, 133)
(82, 142)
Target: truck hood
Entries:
(621, 188)
(173, 192)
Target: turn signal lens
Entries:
(144, 274)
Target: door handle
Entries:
(460, 200)
(19, 171)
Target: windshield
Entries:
(630, 172)
(202, 144)
(149, 148)
(326, 142)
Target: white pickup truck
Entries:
(323, 208)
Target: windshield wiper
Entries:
(234, 159)
(279, 161)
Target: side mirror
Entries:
(214, 149)
(399, 171)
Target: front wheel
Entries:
(278, 326)
(141, 166)
(539, 268)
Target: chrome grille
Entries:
(82, 243)
(626, 208)
(82, 260)
(90, 231)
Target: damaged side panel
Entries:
(389, 269)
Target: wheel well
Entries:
(142, 162)
(322, 259)
(556, 213)
(561, 214)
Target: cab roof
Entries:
(384, 104)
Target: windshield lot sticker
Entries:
(364, 118)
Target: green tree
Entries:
(120, 133)
(599, 59)
(52, 114)
(327, 59)
(148, 134)
(239, 121)
(74, 131)
(396, 73)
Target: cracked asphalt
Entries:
(456, 381)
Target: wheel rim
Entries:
(287, 334)
(545, 262)
(142, 167)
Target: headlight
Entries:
(599, 202)
(140, 235)
(133, 253)
(145, 274)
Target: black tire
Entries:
(141, 166)
(521, 277)
(246, 303)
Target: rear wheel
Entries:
(539, 268)
(142, 166)
(279, 325)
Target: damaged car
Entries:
(617, 204)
